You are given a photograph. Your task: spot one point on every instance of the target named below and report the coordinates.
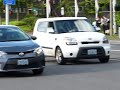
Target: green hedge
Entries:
(118, 18)
(26, 24)
(29, 21)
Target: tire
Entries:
(59, 57)
(104, 59)
(38, 71)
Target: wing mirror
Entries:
(97, 29)
(33, 37)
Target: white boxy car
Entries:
(71, 38)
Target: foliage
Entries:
(67, 4)
(17, 23)
(26, 24)
(118, 15)
(30, 21)
(103, 4)
(118, 18)
(26, 28)
(113, 37)
(89, 6)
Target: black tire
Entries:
(104, 59)
(59, 57)
(38, 71)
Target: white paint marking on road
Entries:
(115, 50)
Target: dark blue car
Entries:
(19, 52)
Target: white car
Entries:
(71, 38)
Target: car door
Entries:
(45, 37)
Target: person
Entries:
(98, 21)
(96, 24)
(105, 24)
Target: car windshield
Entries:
(11, 34)
(79, 25)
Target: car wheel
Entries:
(104, 59)
(59, 57)
(38, 71)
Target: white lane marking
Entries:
(115, 50)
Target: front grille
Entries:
(15, 66)
(95, 42)
(83, 52)
(12, 64)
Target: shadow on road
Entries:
(20, 74)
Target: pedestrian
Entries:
(98, 21)
(105, 25)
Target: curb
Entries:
(114, 41)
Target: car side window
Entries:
(51, 25)
(42, 26)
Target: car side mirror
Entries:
(97, 29)
(33, 37)
(50, 30)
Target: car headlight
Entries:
(70, 41)
(38, 51)
(105, 40)
(2, 54)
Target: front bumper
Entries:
(11, 64)
(82, 52)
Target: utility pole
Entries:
(7, 14)
(96, 9)
(114, 19)
(111, 18)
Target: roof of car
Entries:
(8, 26)
(60, 18)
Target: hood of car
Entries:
(18, 46)
(84, 36)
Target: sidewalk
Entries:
(114, 41)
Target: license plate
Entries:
(23, 62)
(92, 52)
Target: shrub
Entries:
(17, 23)
(29, 21)
(118, 18)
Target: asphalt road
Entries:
(85, 75)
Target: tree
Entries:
(1, 10)
(118, 14)
(68, 7)
(104, 4)
(89, 6)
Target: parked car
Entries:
(18, 51)
(71, 38)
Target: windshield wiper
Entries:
(18, 40)
(2, 41)
(73, 30)
(82, 31)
